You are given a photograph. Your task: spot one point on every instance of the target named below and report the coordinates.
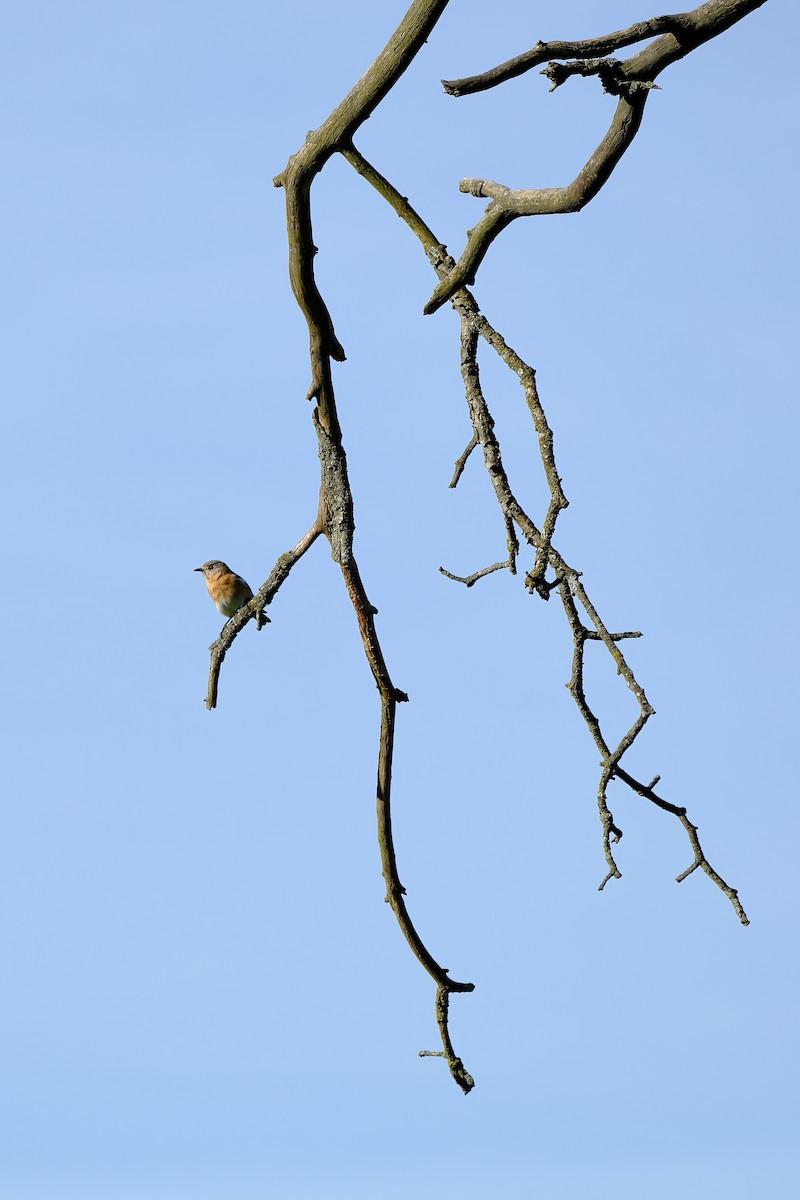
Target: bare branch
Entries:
(632, 80)
(592, 636)
(544, 52)
(700, 859)
(336, 514)
(567, 579)
(457, 1068)
(712, 18)
(507, 205)
(299, 173)
(512, 542)
(461, 462)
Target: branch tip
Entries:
(613, 874)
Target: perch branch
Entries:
(254, 610)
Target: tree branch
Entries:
(567, 580)
(632, 80)
(507, 205)
(717, 16)
(336, 513)
(469, 580)
(461, 462)
(298, 175)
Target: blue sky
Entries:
(204, 994)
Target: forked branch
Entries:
(566, 580)
(336, 514)
(632, 80)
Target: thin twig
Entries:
(461, 462)
(469, 580)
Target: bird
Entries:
(227, 589)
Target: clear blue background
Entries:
(203, 993)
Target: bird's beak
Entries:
(198, 568)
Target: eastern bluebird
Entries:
(227, 589)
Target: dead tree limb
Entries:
(565, 579)
(631, 80)
(336, 514)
